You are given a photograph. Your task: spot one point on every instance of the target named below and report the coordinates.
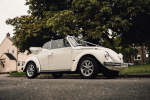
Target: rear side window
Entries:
(57, 44)
(47, 45)
(54, 44)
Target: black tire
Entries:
(88, 67)
(57, 75)
(110, 73)
(31, 70)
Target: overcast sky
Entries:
(10, 9)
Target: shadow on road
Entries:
(98, 77)
(77, 76)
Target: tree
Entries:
(94, 19)
(28, 29)
(64, 23)
(139, 32)
(39, 8)
(122, 17)
(31, 30)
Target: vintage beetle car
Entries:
(73, 55)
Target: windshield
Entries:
(79, 42)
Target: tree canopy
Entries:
(99, 21)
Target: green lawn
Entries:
(136, 70)
(17, 74)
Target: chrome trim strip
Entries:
(112, 64)
(61, 70)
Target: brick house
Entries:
(10, 59)
(142, 56)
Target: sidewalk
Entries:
(4, 74)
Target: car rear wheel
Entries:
(88, 67)
(31, 71)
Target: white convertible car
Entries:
(73, 55)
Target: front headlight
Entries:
(120, 56)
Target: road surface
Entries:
(74, 89)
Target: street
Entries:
(74, 89)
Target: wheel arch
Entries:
(30, 61)
(78, 59)
(35, 61)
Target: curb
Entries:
(136, 76)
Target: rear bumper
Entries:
(115, 66)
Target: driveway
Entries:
(74, 89)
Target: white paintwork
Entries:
(60, 59)
(35, 50)
(67, 58)
(35, 60)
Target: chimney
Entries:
(8, 35)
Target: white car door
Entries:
(43, 57)
(60, 59)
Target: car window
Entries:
(57, 44)
(54, 44)
(61, 43)
(47, 45)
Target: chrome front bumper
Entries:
(115, 65)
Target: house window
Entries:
(138, 57)
(2, 64)
(18, 63)
(21, 63)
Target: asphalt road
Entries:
(74, 89)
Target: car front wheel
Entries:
(31, 71)
(88, 67)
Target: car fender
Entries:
(35, 60)
(99, 55)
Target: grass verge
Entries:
(17, 74)
(136, 70)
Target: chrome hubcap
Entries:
(87, 68)
(30, 70)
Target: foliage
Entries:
(129, 52)
(111, 23)
(39, 8)
(28, 29)
(63, 23)
(119, 16)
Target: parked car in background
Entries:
(73, 55)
